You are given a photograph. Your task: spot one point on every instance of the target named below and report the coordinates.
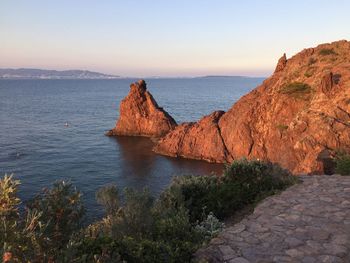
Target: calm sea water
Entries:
(38, 148)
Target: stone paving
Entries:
(309, 222)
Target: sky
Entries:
(171, 38)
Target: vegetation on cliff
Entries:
(296, 89)
(342, 160)
(139, 229)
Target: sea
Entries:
(53, 130)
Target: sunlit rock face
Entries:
(140, 115)
(196, 140)
(296, 114)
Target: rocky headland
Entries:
(298, 117)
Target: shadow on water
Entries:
(196, 167)
(136, 155)
(140, 161)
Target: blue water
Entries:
(38, 148)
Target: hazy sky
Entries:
(164, 37)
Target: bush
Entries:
(61, 211)
(244, 182)
(296, 89)
(143, 230)
(22, 237)
(210, 227)
(327, 51)
(282, 127)
(342, 161)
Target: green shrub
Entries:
(61, 211)
(244, 182)
(21, 238)
(327, 51)
(342, 161)
(210, 227)
(143, 230)
(296, 89)
(8, 214)
(135, 218)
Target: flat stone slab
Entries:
(309, 222)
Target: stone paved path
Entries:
(309, 222)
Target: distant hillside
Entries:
(28, 73)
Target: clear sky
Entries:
(165, 37)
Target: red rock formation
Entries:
(327, 83)
(294, 115)
(201, 140)
(140, 115)
(281, 64)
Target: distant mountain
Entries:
(29, 73)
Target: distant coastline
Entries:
(30, 73)
(33, 73)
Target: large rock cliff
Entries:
(140, 115)
(292, 118)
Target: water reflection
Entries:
(136, 155)
(140, 161)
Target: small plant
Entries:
(281, 127)
(312, 61)
(342, 161)
(296, 90)
(327, 51)
(210, 226)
